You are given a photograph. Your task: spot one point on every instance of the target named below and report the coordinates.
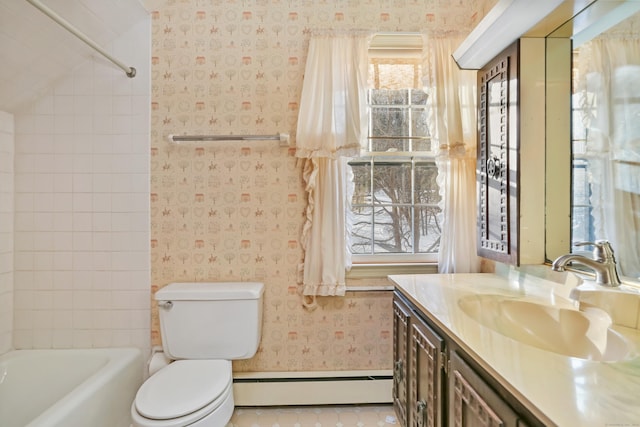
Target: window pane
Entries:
(383, 145)
(362, 183)
(395, 75)
(584, 112)
(422, 145)
(581, 186)
(362, 231)
(389, 121)
(581, 228)
(389, 97)
(426, 186)
(419, 125)
(392, 183)
(392, 231)
(427, 229)
(418, 97)
(582, 222)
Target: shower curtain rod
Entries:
(282, 137)
(130, 71)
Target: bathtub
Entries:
(69, 388)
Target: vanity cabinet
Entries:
(434, 383)
(418, 370)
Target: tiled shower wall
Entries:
(6, 230)
(233, 210)
(82, 206)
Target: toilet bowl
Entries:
(186, 393)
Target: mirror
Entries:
(605, 128)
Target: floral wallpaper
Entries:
(232, 210)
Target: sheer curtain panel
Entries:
(332, 124)
(609, 80)
(452, 95)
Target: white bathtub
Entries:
(69, 388)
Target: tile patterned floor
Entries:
(316, 416)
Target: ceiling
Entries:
(36, 52)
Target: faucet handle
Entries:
(602, 250)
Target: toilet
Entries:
(203, 327)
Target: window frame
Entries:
(418, 262)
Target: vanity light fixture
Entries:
(507, 21)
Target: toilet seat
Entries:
(183, 392)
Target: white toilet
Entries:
(203, 327)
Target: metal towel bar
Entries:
(282, 137)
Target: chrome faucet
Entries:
(603, 262)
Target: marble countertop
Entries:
(561, 390)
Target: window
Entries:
(395, 201)
(582, 225)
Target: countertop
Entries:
(558, 389)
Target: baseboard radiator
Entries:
(312, 388)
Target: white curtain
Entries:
(332, 124)
(609, 79)
(452, 101)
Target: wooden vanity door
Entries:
(472, 403)
(426, 372)
(401, 316)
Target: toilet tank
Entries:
(210, 320)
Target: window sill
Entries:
(359, 271)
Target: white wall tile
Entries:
(63, 280)
(82, 202)
(63, 202)
(62, 261)
(43, 241)
(44, 105)
(83, 182)
(62, 337)
(7, 123)
(44, 124)
(42, 183)
(42, 260)
(23, 338)
(82, 210)
(63, 106)
(64, 124)
(7, 229)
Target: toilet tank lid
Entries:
(210, 291)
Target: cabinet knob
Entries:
(421, 407)
(398, 371)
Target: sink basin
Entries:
(584, 334)
(622, 303)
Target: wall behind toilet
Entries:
(233, 210)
